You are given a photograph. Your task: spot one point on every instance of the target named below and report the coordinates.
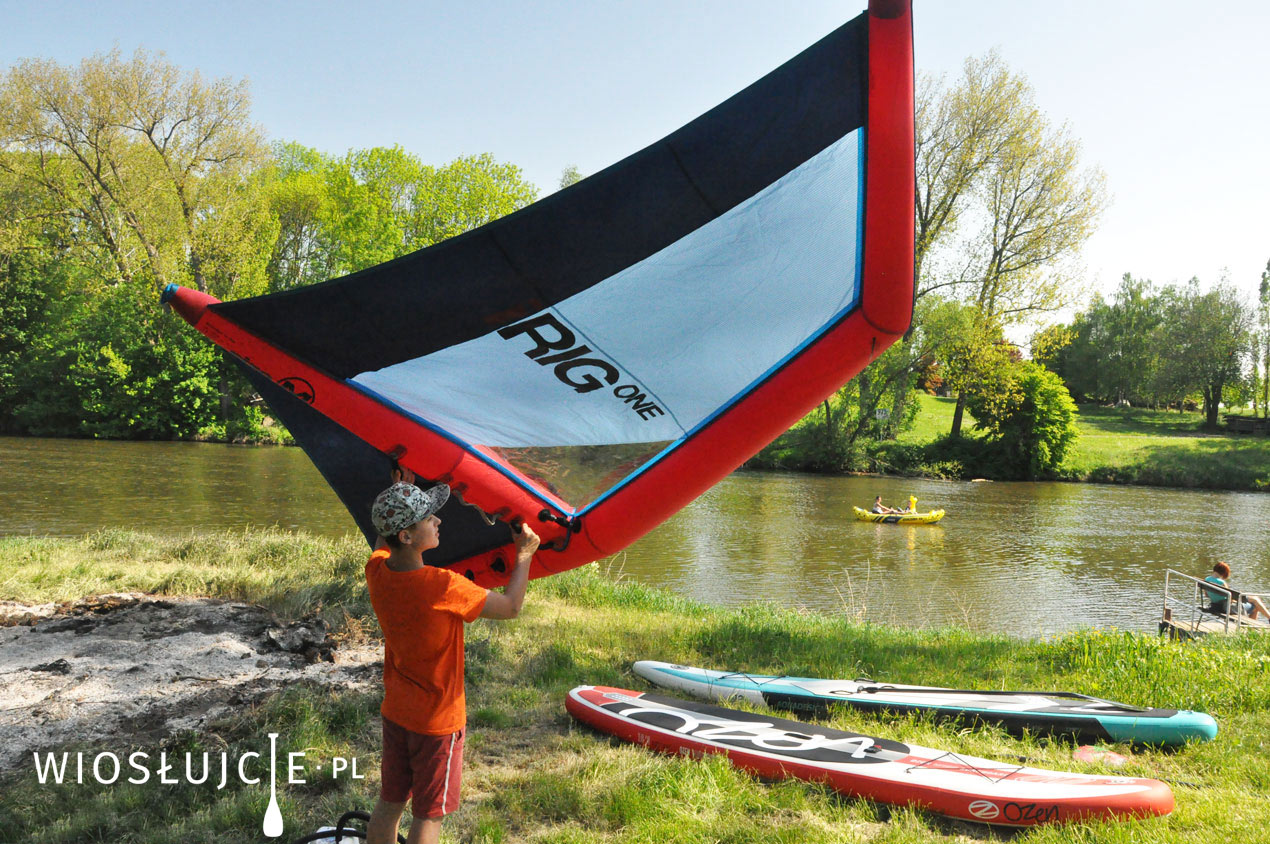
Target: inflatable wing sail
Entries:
(596, 360)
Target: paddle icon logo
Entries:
(272, 825)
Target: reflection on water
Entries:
(1013, 557)
(71, 487)
(1026, 559)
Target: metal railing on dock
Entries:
(1188, 608)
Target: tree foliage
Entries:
(1002, 203)
(123, 174)
(1160, 347)
(1002, 208)
(1114, 355)
(1261, 343)
(341, 215)
(1205, 342)
(570, 175)
(153, 161)
(1033, 422)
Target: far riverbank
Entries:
(1136, 446)
(1116, 445)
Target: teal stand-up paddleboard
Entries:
(1059, 713)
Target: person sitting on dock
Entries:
(879, 507)
(1219, 602)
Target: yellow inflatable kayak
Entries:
(899, 518)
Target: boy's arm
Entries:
(507, 603)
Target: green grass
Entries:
(533, 775)
(1133, 445)
(291, 574)
(934, 420)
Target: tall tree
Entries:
(1039, 208)
(156, 171)
(301, 204)
(958, 133)
(147, 157)
(468, 192)
(1263, 339)
(340, 215)
(1002, 205)
(1131, 358)
(1113, 355)
(1205, 339)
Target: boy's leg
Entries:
(437, 763)
(424, 831)
(394, 791)
(383, 823)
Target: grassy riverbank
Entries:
(1116, 445)
(535, 776)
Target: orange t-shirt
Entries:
(422, 613)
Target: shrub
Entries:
(1036, 427)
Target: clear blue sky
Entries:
(1170, 99)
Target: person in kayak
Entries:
(422, 611)
(879, 507)
(1219, 602)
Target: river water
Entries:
(1026, 559)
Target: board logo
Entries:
(576, 364)
(985, 810)
(758, 734)
(618, 696)
(1030, 813)
(298, 387)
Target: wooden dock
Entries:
(1206, 624)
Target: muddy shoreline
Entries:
(130, 669)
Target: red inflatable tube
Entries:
(890, 181)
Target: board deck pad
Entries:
(1058, 713)
(881, 769)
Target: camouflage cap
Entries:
(402, 505)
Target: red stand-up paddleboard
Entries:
(878, 769)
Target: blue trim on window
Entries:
(466, 446)
(538, 493)
(758, 382)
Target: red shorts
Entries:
(426, 768)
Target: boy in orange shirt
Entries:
(422, 610)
